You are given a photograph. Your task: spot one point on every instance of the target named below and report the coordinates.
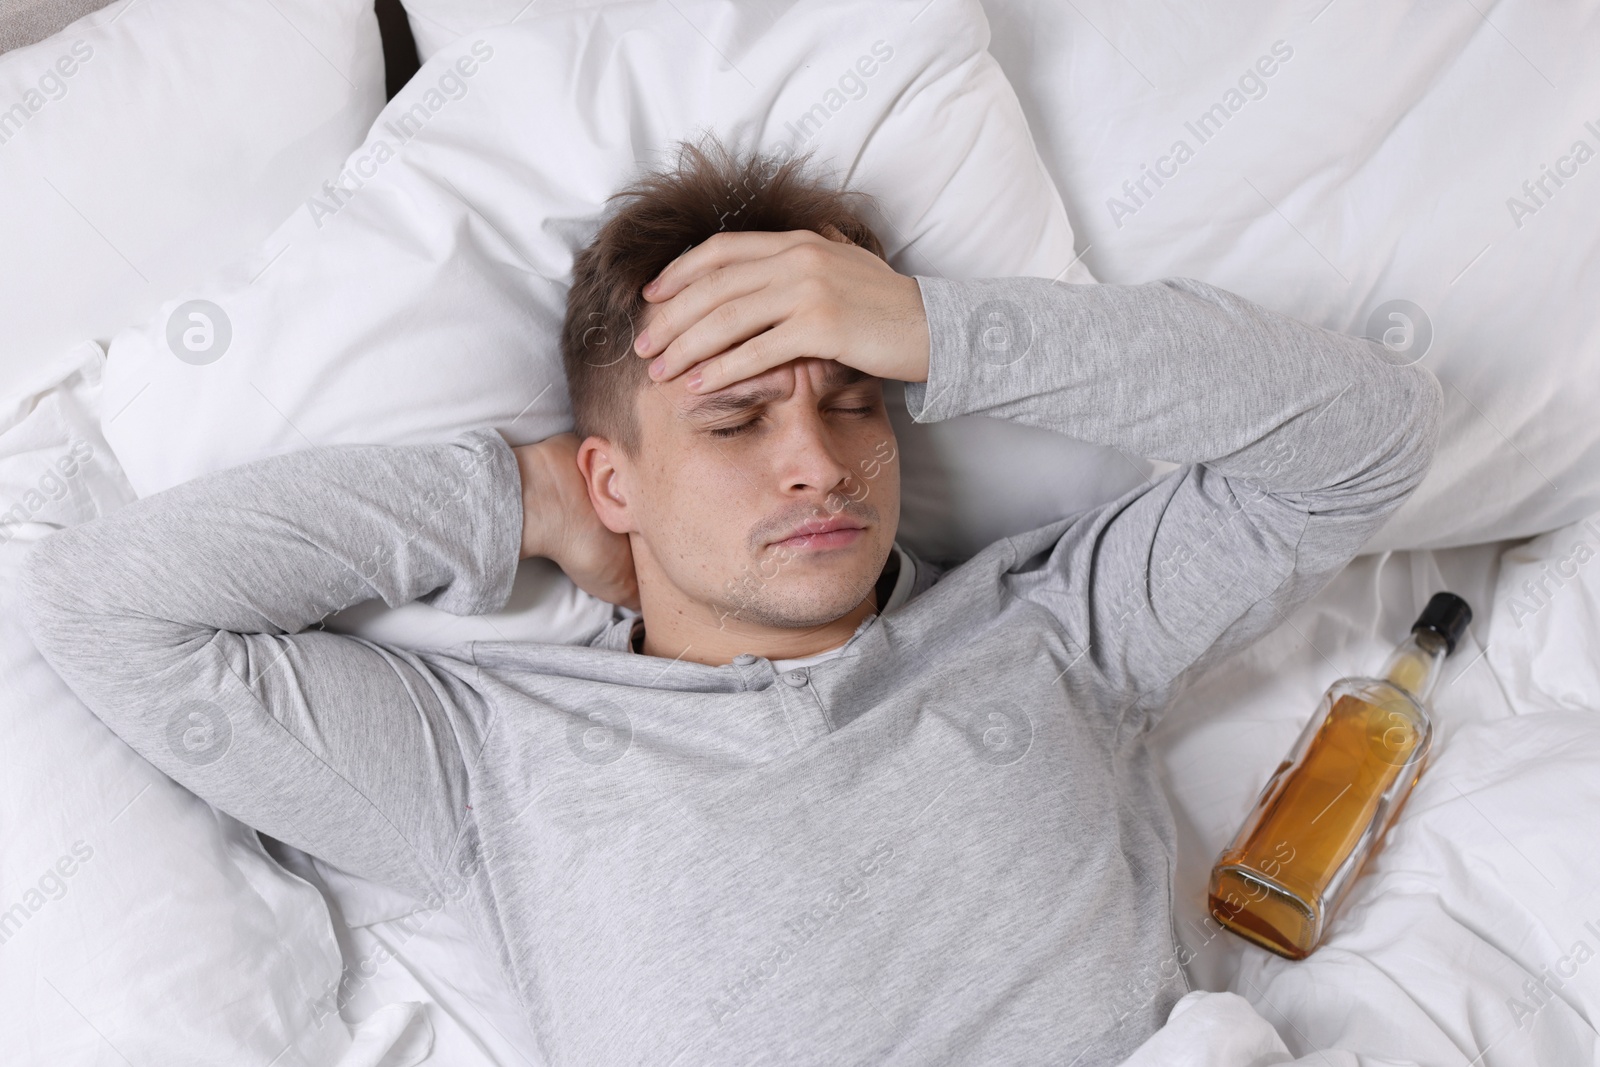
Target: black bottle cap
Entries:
(1446, 615)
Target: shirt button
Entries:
(795, 677)
(744, 659)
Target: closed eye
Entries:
(724, 432)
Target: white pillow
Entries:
(436, 23)
(426, 295)
(1362, 155)
(133, 916)
(151, 140)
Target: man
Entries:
(818, 800)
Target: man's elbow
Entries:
(48, 601)
(1402, 432)
(1389, 447)
(1424, 420)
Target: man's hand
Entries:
(741, 303)
(560, 524)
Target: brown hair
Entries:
(664, 215)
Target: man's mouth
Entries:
(835, 533)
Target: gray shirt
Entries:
(944, 843)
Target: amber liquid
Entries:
(1271, 887)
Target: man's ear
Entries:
(601, 464)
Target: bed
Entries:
(269, 254)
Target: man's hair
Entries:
(664, 214)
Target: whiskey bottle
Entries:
(1326, 807)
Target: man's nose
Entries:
(811, 456)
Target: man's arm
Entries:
(1299, 443)
(172, 619)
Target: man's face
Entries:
(726, 477)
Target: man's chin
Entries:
(797, 602)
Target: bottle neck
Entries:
(1416, 664)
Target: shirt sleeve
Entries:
(1296, 443)
(178, 620)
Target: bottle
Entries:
(1328, 804)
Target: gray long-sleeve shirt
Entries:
(946, 843)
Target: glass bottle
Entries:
(1326, 807)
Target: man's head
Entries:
(707, 486)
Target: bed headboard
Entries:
(399, 47)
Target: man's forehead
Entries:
(764, 388)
